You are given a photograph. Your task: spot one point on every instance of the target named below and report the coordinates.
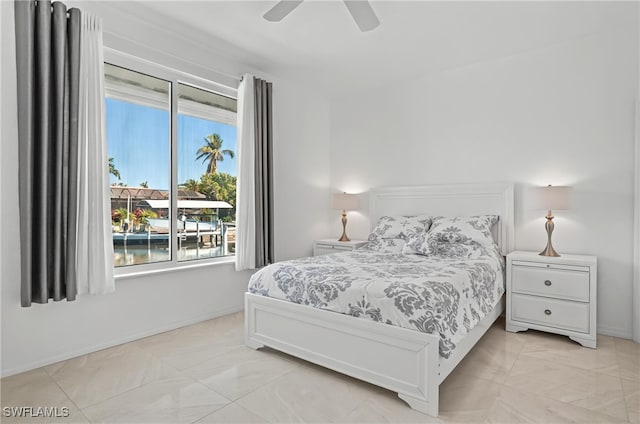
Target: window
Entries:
(172, 164)
(206, 172)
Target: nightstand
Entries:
(326, 246)
(553, 294)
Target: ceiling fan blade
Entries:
(281, 9)
(363, 14)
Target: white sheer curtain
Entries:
(94, 246)
(245, 189)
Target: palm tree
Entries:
(213, 152)
(190, 184)
(112, 169)
(144, 184)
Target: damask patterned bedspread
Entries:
(441, 295)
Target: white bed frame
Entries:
(401, 360)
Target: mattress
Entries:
(441, 295)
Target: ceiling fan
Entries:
(360, 10)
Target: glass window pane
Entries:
(138, 125)
(206, 174)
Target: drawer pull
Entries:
(547, 311)
(547, 283)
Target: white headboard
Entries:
(450, 200)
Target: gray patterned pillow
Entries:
(418, 244)
(463, 237)
(391, 232)
(463, 229)
(469, 250)
(390, 245)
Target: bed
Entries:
(397, 357)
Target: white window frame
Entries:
(175, 77)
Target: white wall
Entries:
(43, 334)
(560, 115)
(301, 171)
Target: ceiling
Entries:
(319, 41)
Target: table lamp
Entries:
(552, 198)
(345, 202)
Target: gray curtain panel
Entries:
(48, 66)
(264, 173)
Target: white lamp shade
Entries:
(554, 198)
(345, 201)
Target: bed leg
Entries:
(429, 407)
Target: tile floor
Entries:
(204, 374)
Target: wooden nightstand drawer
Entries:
(563, 283)
(563, 314)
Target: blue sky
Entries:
(138, 141)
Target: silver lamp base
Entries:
(344, 227)
(549, 250)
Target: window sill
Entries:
(126, 274)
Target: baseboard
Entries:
(119, 341)
(615, 332)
